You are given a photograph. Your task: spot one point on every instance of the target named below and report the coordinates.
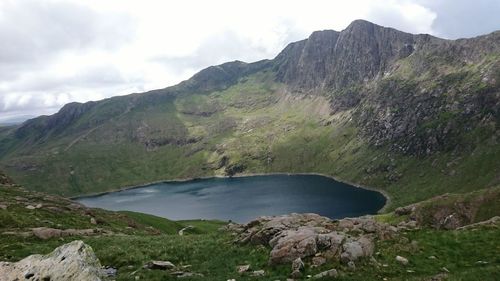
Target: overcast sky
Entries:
(55, 52)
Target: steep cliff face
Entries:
(436, 98)
(304, 65)
(416, 93)
(330, 60)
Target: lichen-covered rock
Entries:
(351, 251)
(73, 261)
(292, 244)
(332, 273)
(318, 261)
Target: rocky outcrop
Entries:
(333, 60)
(297, 236)
(396, 83)
(45, 233)
(5, 180)
(73, 261)
(452, 211)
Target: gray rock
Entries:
(73, 261)
(305, 235)
(294, 244)
(351, 252)
(296, 274)
(367, 245)
(242, 268)
(46, 232)
(407, 210)
(163, 265)
(109, 271)
(318, 261)
(402, 260)
(345, 224)
(189, 275)
(351, 265)
(297, 264)
(258, 273)
(329, 240)
(329, 273)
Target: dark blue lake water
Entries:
(244, 198)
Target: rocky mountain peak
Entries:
(331, 59)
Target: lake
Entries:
(241, 199)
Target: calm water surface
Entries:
(244, 198)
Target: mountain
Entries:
(413, 115)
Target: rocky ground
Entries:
(305, 243)
(312, 240)
(318, 239)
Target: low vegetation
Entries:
(132, 239)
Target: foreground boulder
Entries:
(73, 261)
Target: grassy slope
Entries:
(255, 124)
(209, 251)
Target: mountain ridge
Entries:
(208, 74)
(368, 104)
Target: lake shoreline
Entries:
(181, 180)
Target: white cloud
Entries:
(54, 52)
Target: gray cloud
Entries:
(229, 46)
(217, 49)
(464, 18)
(93, 77)
(33, 32)
(51, 92)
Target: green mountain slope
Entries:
(414, 115)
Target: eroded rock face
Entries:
(73, 261)
(298, 236)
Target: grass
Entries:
(214, 256)
(212, 253)
(137, 238)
